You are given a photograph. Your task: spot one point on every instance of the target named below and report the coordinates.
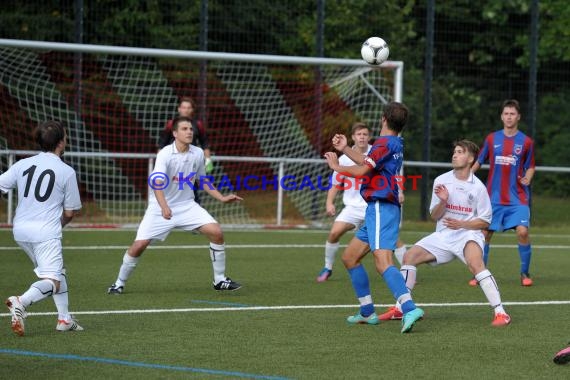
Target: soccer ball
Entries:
(375, 51)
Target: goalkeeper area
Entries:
(268, 117)
(282, 324)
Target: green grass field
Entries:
(171, 324)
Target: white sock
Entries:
(38, 291)
(409, 274)
(218, 256)
(399, 253)
(127, 268)
(489, 286)
(330, 253)
(61, 300)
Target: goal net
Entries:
(269, 121)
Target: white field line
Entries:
(286, 307)
(248, 246)
(505, 235)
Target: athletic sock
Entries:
(525, 252)
(397, 286)
(361, 285)
(218, 256)
(38, 291)
(127, 268)
(408, 272)
(61, 300)
(489, 286)
(330, 253)
(399, 253)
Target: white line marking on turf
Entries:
(246, 246)
(287, 307)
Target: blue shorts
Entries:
(509, 217)
(381, 225)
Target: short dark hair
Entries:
(49, 134)
(511, 103)
(357, 127)
(469, 146)
(396, 115)
(188, 100)
(178, 120)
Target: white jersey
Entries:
(350, 197)
(180, 169)
(46, 186)
(467, 200)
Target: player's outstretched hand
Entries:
(339, 142)
(231, 198)
(331, 210)
(332, 159)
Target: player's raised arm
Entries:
(205, 183)
(340, 143)
(442, 194)
(358, 170)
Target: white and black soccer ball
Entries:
(375, 51)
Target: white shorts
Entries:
(47, 257)
(352, 215)
(445, 246)
(188, 217)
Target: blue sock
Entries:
(525, 252)
(361, 286)
(486, 254)
(397, 286)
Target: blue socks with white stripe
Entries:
(395, 283)
(397, 286)
(361, 286)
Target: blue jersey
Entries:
(509, 159)
(385, 159)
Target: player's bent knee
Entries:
(413, 256)
(138, 247)
(522, 234)
(349, 261)
(55, 284)
(334, 237)
(337, 230)
(214, 232)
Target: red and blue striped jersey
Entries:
(509, 158)
(385, 159)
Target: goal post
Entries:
(115, 101)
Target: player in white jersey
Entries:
(352, 215)
(461, 206)
(178, 168)
(48, 197)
